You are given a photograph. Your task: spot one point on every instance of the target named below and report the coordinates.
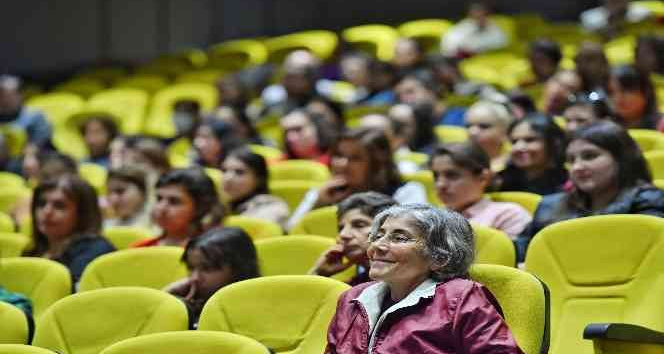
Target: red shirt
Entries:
(153, 242)
(457, 316)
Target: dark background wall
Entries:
(39, 36)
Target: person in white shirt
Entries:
(473, 35)
(609, 18)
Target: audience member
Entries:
(583, 110)
(355, 215)
(634, 99)
(558, 89)
(649, 54)
(408, 56)
(307, 136)
(128, 197)
(544, 56)
(422, 299)
(219, 257)
(610, 19)
(462, 174)
(361, 160)
(609, 176)
(8, 163)
(13, 112)
(98, 133)
(66, 224)
(186, 117)
(245, 182)
(593, 67)
(332, 111)
(536, 162)
(233, 93)
(473, 35)
(298, 84)
(243, 127)
(187, 205)
(419, 89)
(213, 140)
(487, 123)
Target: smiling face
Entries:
(528, 149)
(593, 169)
(351, 162)
(354, 228)
(457, 187)
(396, 254)
(56, 215)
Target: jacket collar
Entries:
(372, 297)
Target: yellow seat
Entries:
(22, 349)
(292, 191)
(254, 227)
(15, 138)
(95, 175)
(159, 266)
(656, 7)
(13, 325)
(269, 153)
(11, 180)
(10, 197)
(528, 201)
(292, 319)
(189, 342)
(217, 178)
(321, 221)
(128, 104)
(6, 223)
(123, 236)
(321, 43)
(425, 177)
(88, 322)
(417, 158)
(493, 247)
(377, 40)
(620, 51)
(12, 244)
(237, 54)
(178, 153)
(427, 32)
(299, 170)
(504, 69)
(159, 121)
(600, 269)
(148, 83)
(352, 115)
(655, 160)
(56, 106)
(647, 139)
(293, 254)
(524, 301)
(41, 280)
(450, 134)
(68, 136)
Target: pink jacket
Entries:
(457, 316)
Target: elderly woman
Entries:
(422, 299)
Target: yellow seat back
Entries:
(425, 177)
(13, 325)
(647, 139)
(15, 138)
(22, 349)
(269, 153)
(493, 247)
(56, 106)
(129, 104)
(600, 269)
(41, 280)
(254, 227)
(84, 87)
(88, 322)
(237, 54)
(321, 43)
(377, 40)
(528, 201)
(294, 254)
(287, 313)
(11, 196)
(299, 170)
(427, 32)
(655, 160)
(450, 134)
(123, 236)
(95, 175)
(292, 191)
(159, 266)
(12, 244)
(160, 122)
(524, 301)
(149, 83)
(189, 342)
(321, 221)
(6, 223)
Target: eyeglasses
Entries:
(397, 237)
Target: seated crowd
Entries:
(573, 147)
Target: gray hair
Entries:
(449, 242)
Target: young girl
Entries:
(219, 257)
